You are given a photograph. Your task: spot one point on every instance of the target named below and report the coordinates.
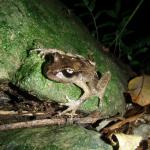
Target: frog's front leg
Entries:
(102, 84)
(74, 105)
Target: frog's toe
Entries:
(72, 108)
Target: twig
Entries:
(23, 113)
(43, 122)
(123, 122)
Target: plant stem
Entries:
(95, 25)
(127, 22)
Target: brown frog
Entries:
(71, 68)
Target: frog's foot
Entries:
(72, 107)
(42, 52)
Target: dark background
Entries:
(133, 47)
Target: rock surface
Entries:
(25, 25)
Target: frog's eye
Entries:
(68, 72)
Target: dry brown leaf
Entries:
(139, 89)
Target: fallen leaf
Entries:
(139, 89)
(126, 142)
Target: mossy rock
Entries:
(52, 138)
(25, 25)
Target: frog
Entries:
(73, 68)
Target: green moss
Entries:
(52, 138)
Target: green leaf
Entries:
(107, 24)
(86, 2)
(93, 33)
(108, 38)
(125, 13)
(84, 14)
(123, 22)
(91, 5)
(135, 63)
(99, 14)
(79, 5)
(111, 13)
(123, 48)
(117, 7)
(129, 57)
(90, 23)
(142, 50)
(141, 42)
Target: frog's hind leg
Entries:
(102, 85)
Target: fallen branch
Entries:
(44, 122)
